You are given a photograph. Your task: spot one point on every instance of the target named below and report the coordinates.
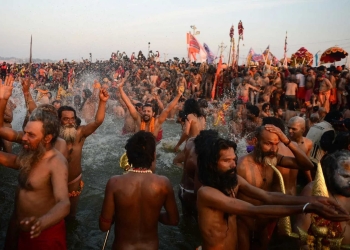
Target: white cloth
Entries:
(301, 79)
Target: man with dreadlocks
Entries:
(146, 120)
(218, 206)
(42, 196)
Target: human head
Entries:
(314, 118)
(278, 112)
(277, 122)
(147, 112)
(266, 145)
(57, 104)
(253, 111)
(296, 127)
(341, 141)
(266, 106)
(67, 115)
(216, 161)
(191, 107)
(87, 93)
(44, 124)
(336, 170)
(140, 149)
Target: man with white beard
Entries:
(75, 137)
(42, 196)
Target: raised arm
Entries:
(133, 112)
(30, 103)
(185, 132)
(5, 94)
(170, 106)
(100, 115)
(301, 160)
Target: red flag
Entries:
(218, 70)
(193, 46)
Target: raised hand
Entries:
(6, 88)
(181, 90)
(32, 225)
(273, 129)
(25, 84)
(104, 95)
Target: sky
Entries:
(73, 29)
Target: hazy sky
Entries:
(73, 29)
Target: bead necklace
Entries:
(140, 170)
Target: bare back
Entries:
(138, 200)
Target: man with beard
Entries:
(296, 129)
(336, 170)
(147, 120)
(42, 196)
(75, 137)
(137, 209)
(254, 233)
(217, 204)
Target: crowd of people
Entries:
(291, 119)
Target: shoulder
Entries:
(56, 160)
(207, 193)
(242, 163)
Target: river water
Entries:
(100, 161)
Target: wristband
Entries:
(305, 206)
(287, 144)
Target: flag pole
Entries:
(30, 56)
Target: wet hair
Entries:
(57, 101)
(47, 114)
(207, 161)
(265, 105)
(66, 108)
(88, 94)
(341, 141)
(149, 105)
(275, 122)
(140, 149)
(332, 116)
(191, 107)
(275, 109)
(330, 164)
(203, 135)
(253, 110)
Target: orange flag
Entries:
(218, 70)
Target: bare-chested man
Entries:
(324, 91)
(336, 173)
(243, 90)
(296, 129)
(197, 80)
(253, 120)
(291, 90)
(147, 120)
(194, 121)
(134, 201)
(42, 196)
(253, 233)
(75, 137)
(309, 84)
(218, 206)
